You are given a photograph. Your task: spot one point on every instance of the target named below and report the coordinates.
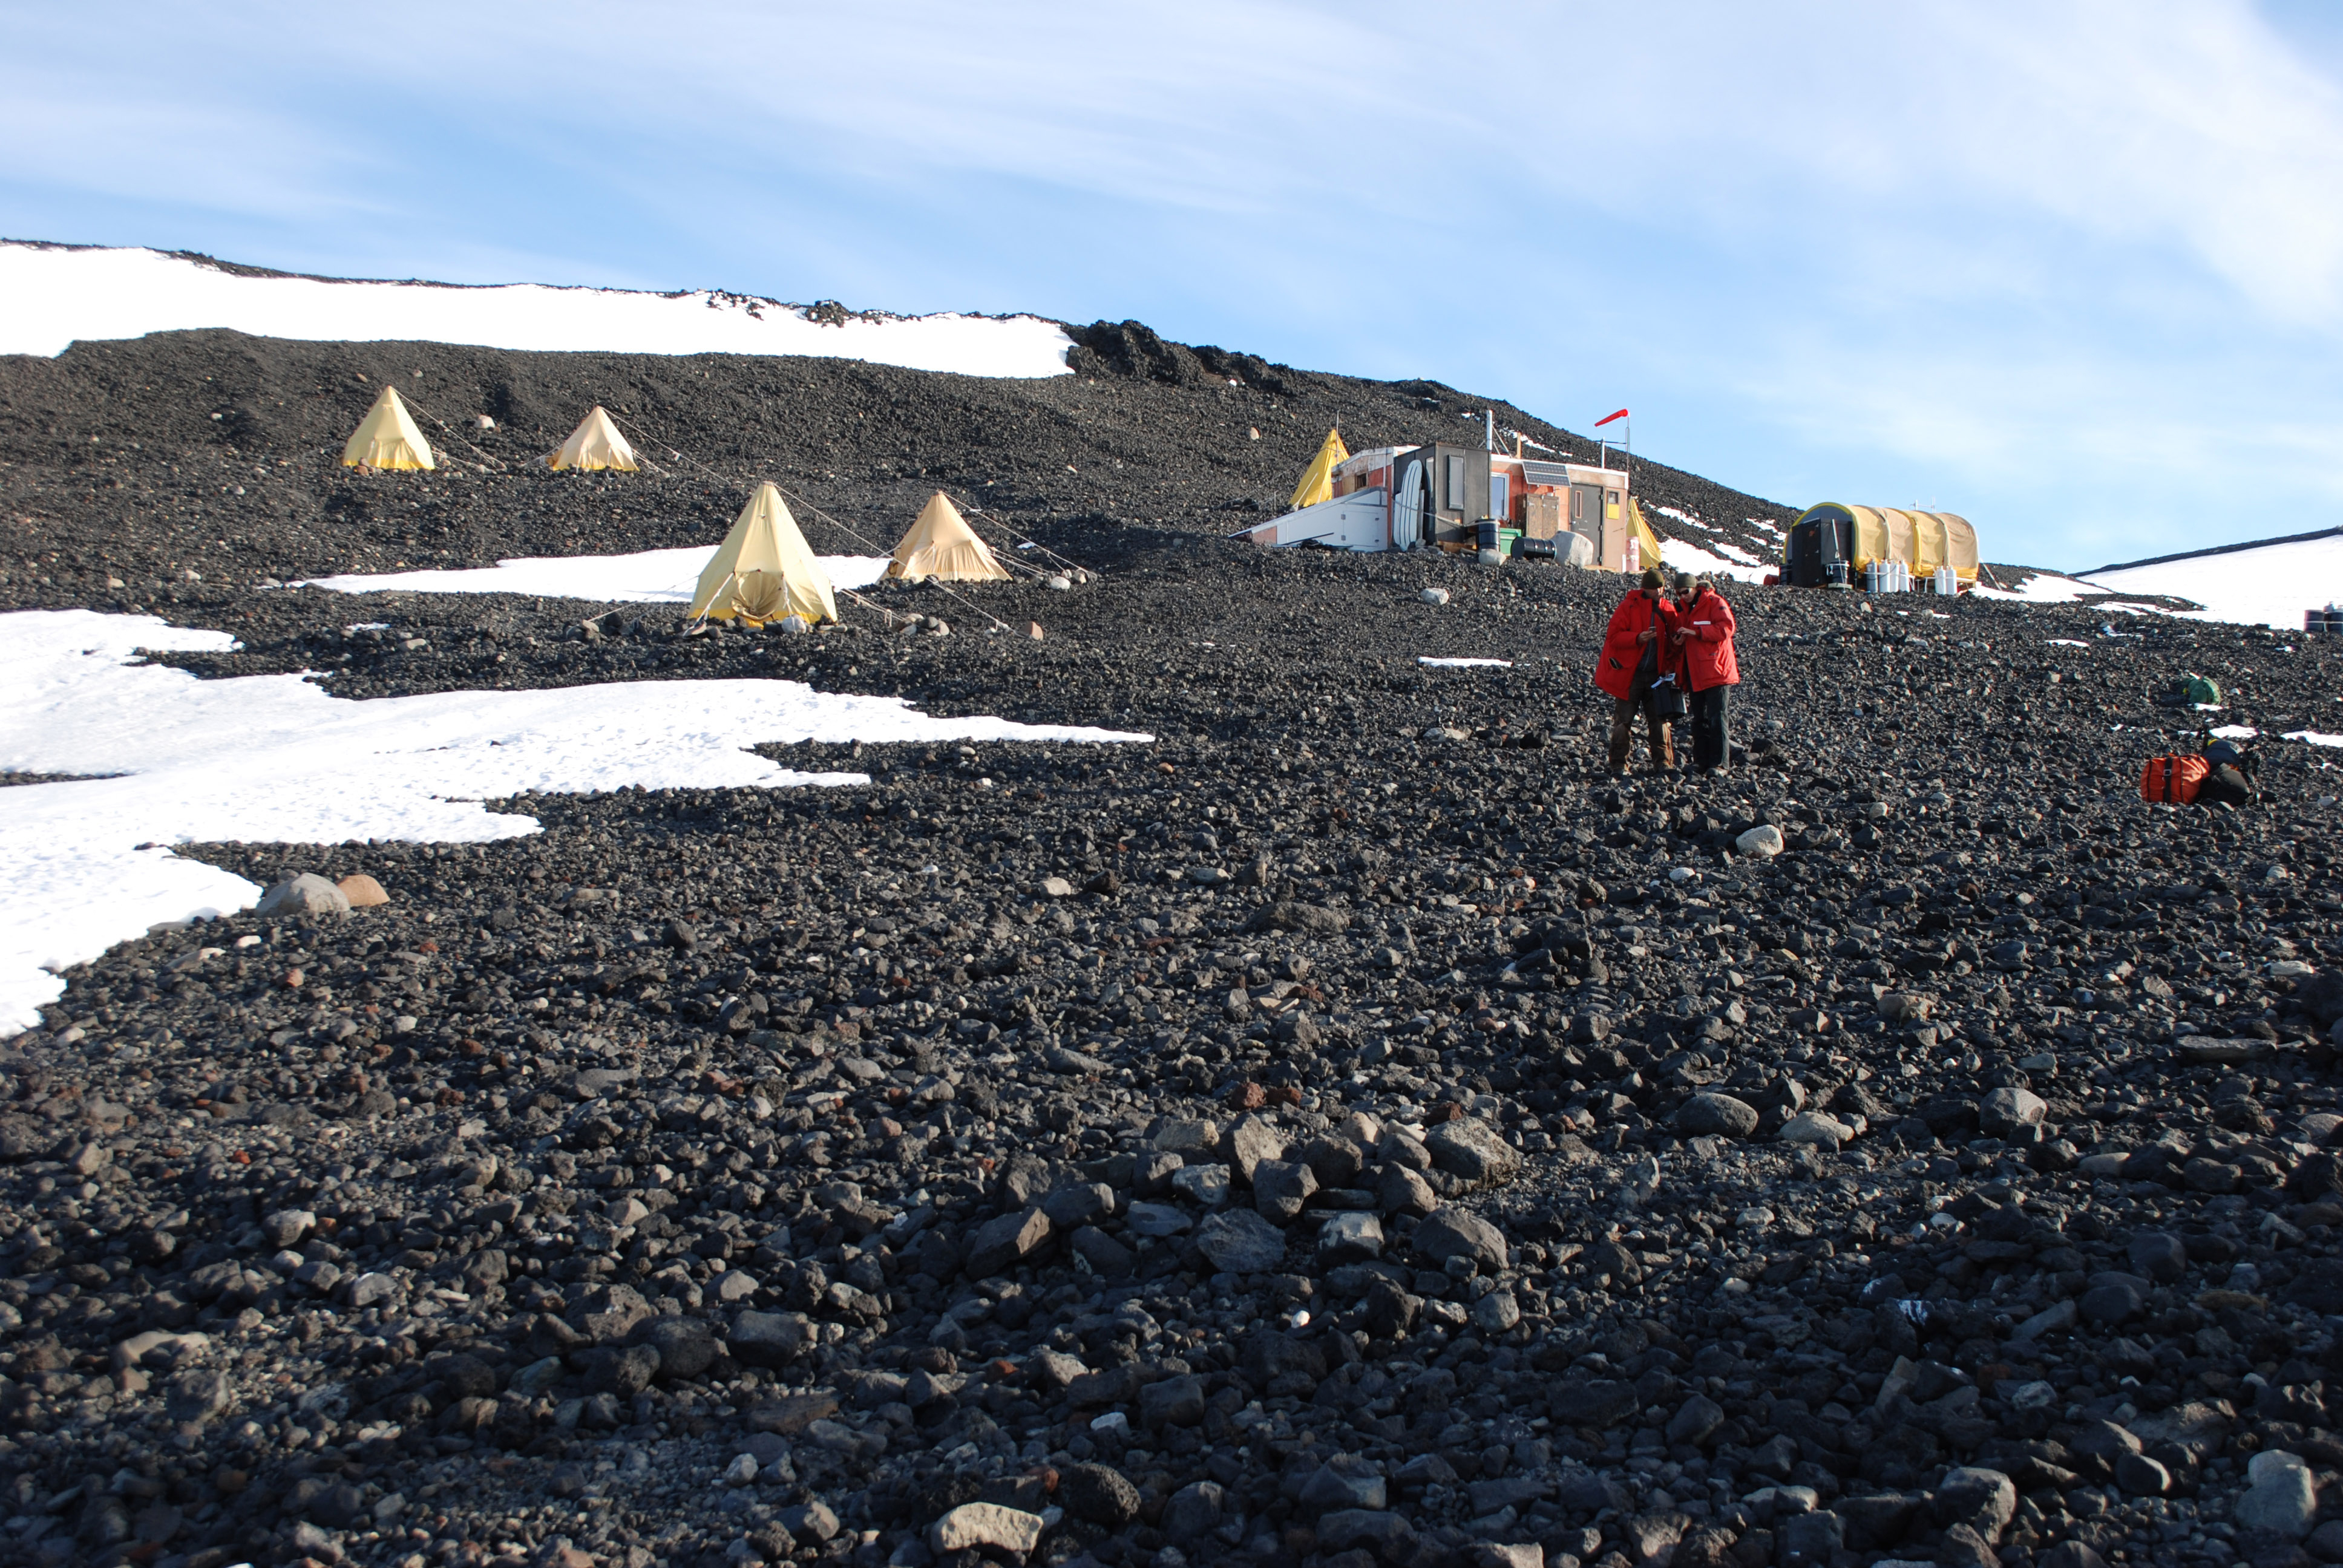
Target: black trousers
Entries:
(1710, 744)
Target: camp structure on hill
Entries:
(1317, 481)
(595, 444)
(943, 547)
(388, 437)
(1833, 534)
(1457, 498)
(764, 570)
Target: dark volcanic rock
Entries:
(767, 1168)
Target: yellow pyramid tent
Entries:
(1318, 479)
(943, 546)
(595, 444)
(764, 570)
(386, 437)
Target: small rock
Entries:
(1349, 1237)
(1001, 1245)
(1764, 841)
(1717, 1115)
(362, 892)
(307, 894)
(1434, 596)
(197, 1396)
(1193, 1512)
(2281, 1495)
(1815, 1128)
(811, 1523)
(1469, 1148)
(981, 1526)
(1454, 1233)
(1496, 1312)
(1100, 1494)
(1281, 1189)
(2007, 1108)
(1239, 1242)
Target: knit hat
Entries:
(1652, 578)
(1684, 582)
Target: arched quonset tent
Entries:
(1903, 537)
(764, 570)
(388, 437)
(596, 444)
(1859, 536)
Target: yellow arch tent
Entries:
(1902, 535)
(764, 570)
(388, 439)
(595, 444)
(943, 546)
(1318, 479)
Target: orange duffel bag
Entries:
(2173, 780)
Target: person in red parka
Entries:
(1639, 649)
(1703, 631)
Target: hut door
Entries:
(1586, 517)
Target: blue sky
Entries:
(2071, 268)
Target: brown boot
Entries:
(1620, 741)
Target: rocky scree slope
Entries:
(118, 461)
(1333, 1133)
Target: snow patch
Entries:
(2270, 585)
(2042, 588)
(2313, 738)
(52, 296)
(1685, 556)
(1463, 663)
(2235, 732)
(646, 576)
(275, 758)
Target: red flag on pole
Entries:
(1621, 414)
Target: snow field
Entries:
(645, 577)
(50, 296)
(2269, 586)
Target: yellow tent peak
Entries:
(943, 546)
(1318, 479)
(388, 437)
(764, 570)
(595, 444)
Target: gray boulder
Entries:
(307, 894)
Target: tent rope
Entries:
(452, 433)
(973, 511)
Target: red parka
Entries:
(1708, 653)
(1615, 667)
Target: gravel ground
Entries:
(1348, 1129)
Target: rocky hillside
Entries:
(1349, 1129)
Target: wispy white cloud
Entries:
(2060, 262)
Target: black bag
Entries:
(2235, 778)
(1669, 705)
